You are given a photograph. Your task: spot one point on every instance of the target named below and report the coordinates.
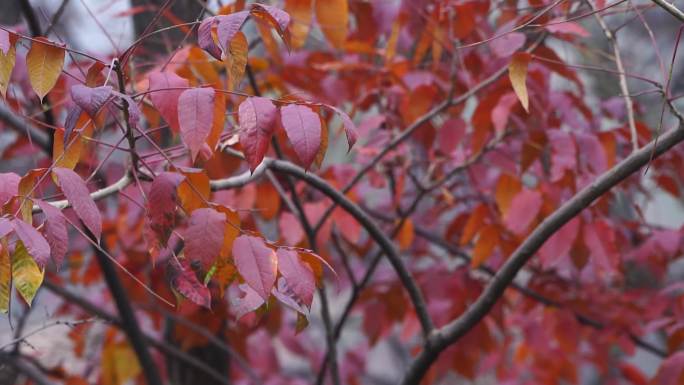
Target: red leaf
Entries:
(450, 135)
(166, 101)
(228, 27)
(195, 115)
(303, 128)
(299, 276)
(204, 236)
(55, 232)
(162, 201)
(77, 194)
(559, 244)
(34, 242)
(256, 262)
(184, 280)
(9, 186)
(91, 100)
(524, 208)
(257, 117)
(599, 237)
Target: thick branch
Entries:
(451, 332)
(21, 366)
(674, 11)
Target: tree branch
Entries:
(440, 339)
(674, 11)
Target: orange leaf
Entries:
(517, 73)
(237, 61)
(301, 12)
(267, 201)
(485, 245)
(333, 17)
(194, 191)
(7, 61)
(44, 64)
(506, 188)
(406, 234)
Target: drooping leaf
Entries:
(204, 236)
(236, 62)
(55, 231)
(195, 115)
(257, 123)
(26, 274)
(7, 60)
(287, 297)
(349, 127)
(184, 280)
(76, 192)
(278, 18)
(256, 263)
(228, 26)
(298, 274)
(205, 38)
(517, 73)
(34, 242)
(5, 277)
(66, 152)
(44, 62)
(165, 98)
(333, 18)
(162, 201)
(303, 128)
(91, 100)
(302, 16)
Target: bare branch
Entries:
(674, 11)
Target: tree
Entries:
(286, 187)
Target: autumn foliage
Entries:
(296, 186)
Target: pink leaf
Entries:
(277, 17)
(450, 135)
(204, 236)
(257, 123)
(291, 231)
(502, 111)
(256, 262)
(524, 208)
(507, 44)
(195, 115)
(299, 276)
(5, 227)
(5, 42)
(34, 242)
(205, 40)
(599, 238)
(166, 100)
(9, 186)
(184, 280)
(78, 195)
(303, 128)
(162, 204)
(567, 28)
(247, 303)
(559, 244)
(91, 100)
(349, 127)
(284, 293)
(228, 27)
(55, 232)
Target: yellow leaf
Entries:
(5, 277)
(6, 65)
(300, 11)
(27, 189)
(119, 364)
(517, 72)
(194, 191)
(70, 157)
(44, 63)
(237, 61)
(333, 18)
(26, 274)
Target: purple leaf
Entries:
(5, 227)
(257, 123)
(277, 17)
(77, 194)
(349, 127)
(55, 232)
(34, 242)
(5, 42)
(228, 27)
(303, 128)
(195, 115)
(91, 100)
(204, 236)
(205, 40)
(247, 303)
(256, 263)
